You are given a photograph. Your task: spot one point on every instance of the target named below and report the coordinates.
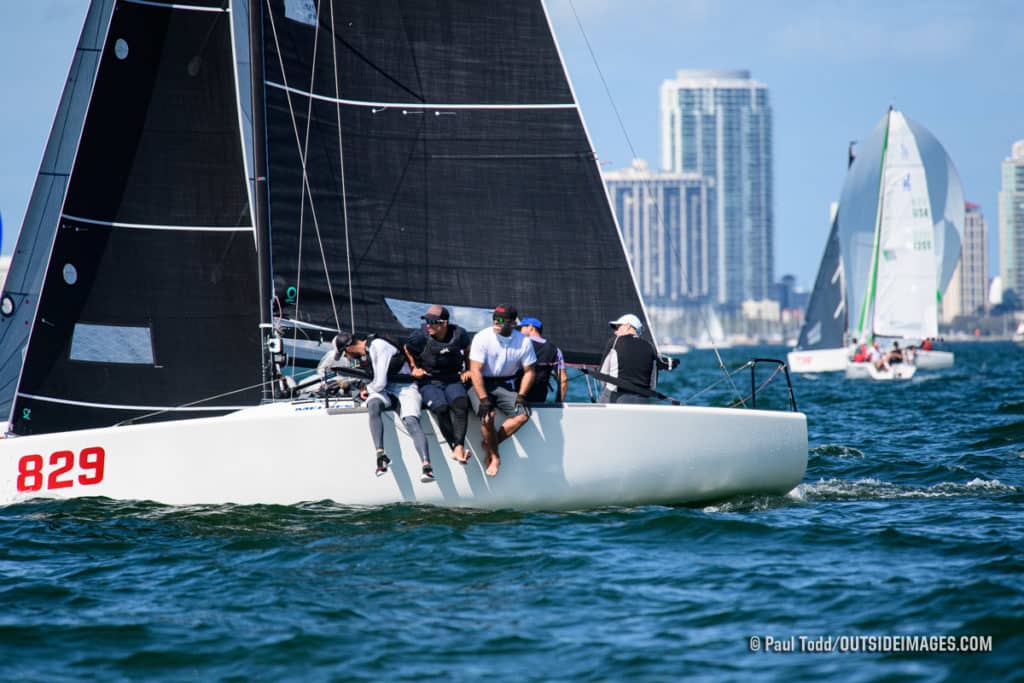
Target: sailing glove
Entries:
(521, 406)
(485, 407)
(667, 362)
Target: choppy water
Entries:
(908, 523)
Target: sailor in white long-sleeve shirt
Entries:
(388, 362)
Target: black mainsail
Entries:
(434, 152)
(150, 298)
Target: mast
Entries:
(259, 182)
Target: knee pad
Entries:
(461, 404)
(440, 410)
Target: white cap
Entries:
(629, 319)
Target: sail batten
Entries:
(139, 226)
(419, 105)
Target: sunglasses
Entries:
(435, 321)
(502, 321)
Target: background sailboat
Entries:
(823, 345)
(900, 218)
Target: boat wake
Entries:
(876, 489)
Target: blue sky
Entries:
(833, 68)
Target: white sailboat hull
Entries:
(933, 360)
(869, 371)
(566, 457)
(818, 360)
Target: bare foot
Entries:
(459, 455)
(493, 463)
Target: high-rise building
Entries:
(967, 291)
(1011, 221)
(974, 262)
(663, 218)
(718, 124)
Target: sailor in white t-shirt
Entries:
(495, 356)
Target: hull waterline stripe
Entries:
(143, 226)
(414, 105)
(193, 8)
(87, 404)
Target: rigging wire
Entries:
(156, 413)
(341, 167)
(647, 188)
(306, 188)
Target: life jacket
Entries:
(397, 360)
(443, 360)
(547, 358)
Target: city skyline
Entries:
(832, 70)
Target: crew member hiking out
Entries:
(436, 355)
(388, 362)
(494, 357)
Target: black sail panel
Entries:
(825, 321)
(438, 51)
(149, 300)
(486, 193)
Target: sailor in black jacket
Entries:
(631, 359)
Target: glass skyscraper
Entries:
(1011, 221)
(718, 124)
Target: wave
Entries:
(876, 489)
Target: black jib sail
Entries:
(433, 152)
(150, 298)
